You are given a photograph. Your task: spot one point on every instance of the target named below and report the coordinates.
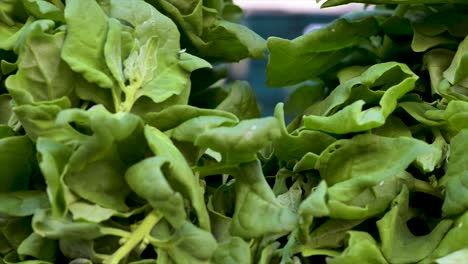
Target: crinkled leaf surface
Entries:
(361, 247)
(342, 111)
(399, 245)
(207, 31)
(42, 74)
(86, 31)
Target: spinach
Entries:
(123, 142)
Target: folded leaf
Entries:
(257, 211)
(207, 31)
(361, 247)
(232, 251)
(399, 245)
(454, 240)
(190, 244)
(43, 10)
(240, 101)
(147, 179)
(179, 175)
(342, 111)
(293, 146)
(38, 247)
(45, 225)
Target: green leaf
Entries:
(365, 197)
(38, 120)
(303, 96)
(42, 75)
(47, 226)
(88, 31)
(419, 110)
(399, 245)
(240, 101)
(14, 230)
(455, 192)
(147, 179)
(23, 203)
(304, 58)
(190, 244)
(191, 129)
(233, 251)
(370, 156)
(211, 35)
(436, 61)
(83, 211)
(97, 166)
(455, 257)
(454, 240)
(42, 9)
(175, 115)
(12, 258)
(53, 158)
(360, 247)
(179, 175)
(393, 127)
(38, 247)
(6, 110)
(293, 146)
(457, 72)
(330, 234)
(429, 161)
(257, 210)
(241, 142)
(156, 60)
(17, 163)
(344, 105)
(315, 205)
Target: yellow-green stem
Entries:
(115, 232)
(137, 236)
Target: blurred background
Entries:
(281, 18)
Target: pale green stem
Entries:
(115, 232)
(137, 237)
(116, 99)
(130, 98)
(425, 187)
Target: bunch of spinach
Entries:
(121, 142)
(381, 98)
(101, 152)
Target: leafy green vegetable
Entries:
(122, 140)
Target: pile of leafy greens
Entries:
(122, 142)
